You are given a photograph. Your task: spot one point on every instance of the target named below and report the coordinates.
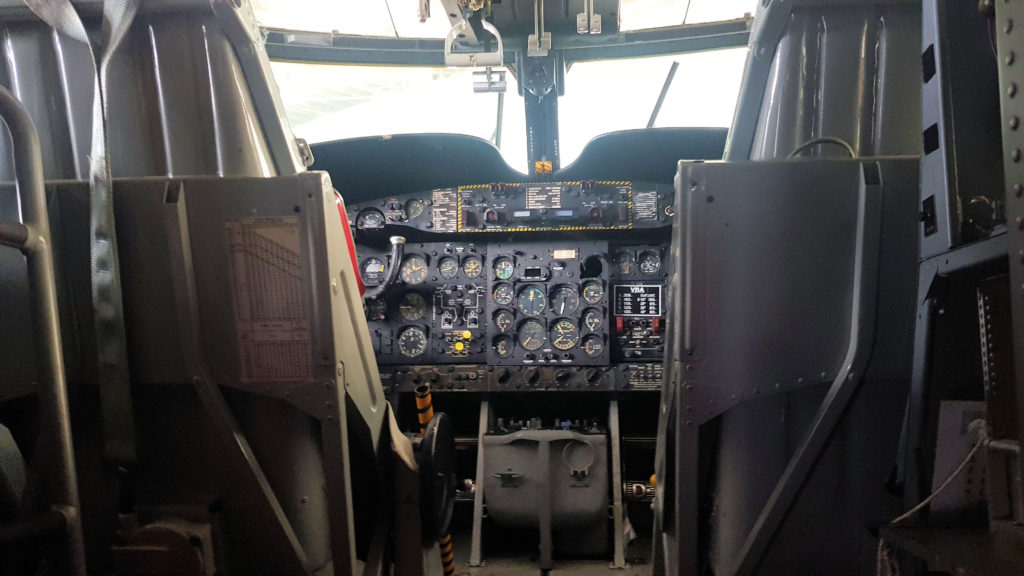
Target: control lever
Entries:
(397, 251)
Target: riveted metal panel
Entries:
(1009, 29)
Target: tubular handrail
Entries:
(54, 457)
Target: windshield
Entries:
(332, 101)
(329, 102)
(609, 95)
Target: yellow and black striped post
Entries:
(424, 406)
(425, 410)
(447, 555)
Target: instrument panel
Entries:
(518, 287)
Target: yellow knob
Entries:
(466, 334)
(459, 346)
(654, 481)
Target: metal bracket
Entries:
(493, 80)
(305, 153)
(538, 43)
(587, 22)
(471, 59)
(509, 478)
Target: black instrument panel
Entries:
(519, 287)
(522, 207)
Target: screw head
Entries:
(1014, 122)
(1015, 155)
(1018, 189)
(1011, 90)
(1010, 58)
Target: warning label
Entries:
(646, 205)
(543, 197)
(271, 317)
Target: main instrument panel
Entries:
(518, 287)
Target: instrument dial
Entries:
(412, 342)
(593, 291)
(370, 219)
(413, 270)
(503, 346)
(414, 208)
(564, 300)
(565, 334)
(532, 301)
(472, 267)
(624, 263)
(412, 307)
(372, 271)
(592, 319)
(503, 294)
(531, 335)
(592, 345)
(503, 320)
(650, 263)
(504, 268)
(448, 268)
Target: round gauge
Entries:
(624, 263)
(592, 319)
(592, 345)
(503, 320)
(413, 208)
(472, 267)
(531, 335)
(564, 300)
(372, 270)
(370, 219)
(503, 346)
(413, 270)
(448, 268)
(531, 301)
(412, 342)
(376, 310)
(412, 307)
(649, 264)
(503, 294)
(564, 334)
(503, 268)
(593, 292)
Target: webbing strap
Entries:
(111, 346)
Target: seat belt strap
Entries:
(111, 345)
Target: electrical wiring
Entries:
(823, 140)
(976, 428)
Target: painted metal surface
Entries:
(961, 172)
(843, 69)
(747, 334)
(1010, 41)
(329, 48)
(284, 472)
(175, 72)
(54, 484)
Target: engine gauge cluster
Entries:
(436, 311)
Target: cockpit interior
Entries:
(503, 287)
